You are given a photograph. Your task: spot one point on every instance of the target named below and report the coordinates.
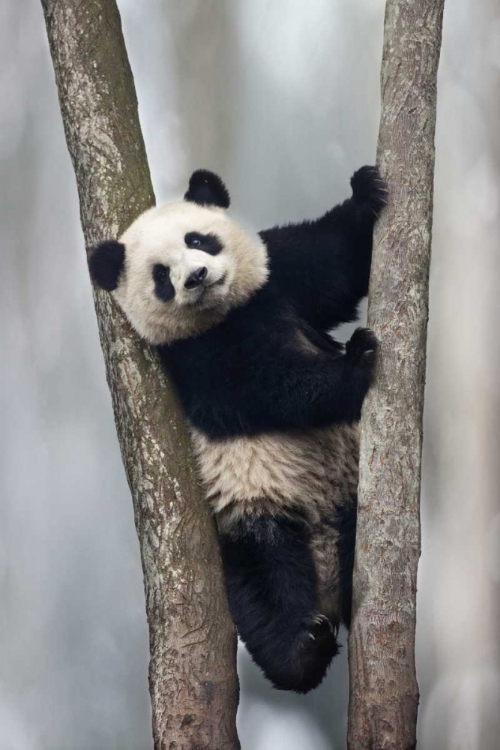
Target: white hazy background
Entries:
(281, 98)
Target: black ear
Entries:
(207, 189)
(106, 263)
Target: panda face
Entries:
(180, 255)
(180, 269)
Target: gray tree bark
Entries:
(192, 671)
(384, 692)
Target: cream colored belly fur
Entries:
(312, 472)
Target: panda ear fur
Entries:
(106, 262)
(207, 189)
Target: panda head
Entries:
(179, 269)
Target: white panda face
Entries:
(185, 266)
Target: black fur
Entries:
(345, 522)
(208, 243)
(324, 265)
(207, 189)
(164, 289)
(234, 380)
(271, 582)
(106, 263)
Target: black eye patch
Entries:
(208, 243)
(164, 288)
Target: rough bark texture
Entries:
(384, 691)
(192, 674)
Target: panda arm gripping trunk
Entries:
(324, 265)
(192, 672)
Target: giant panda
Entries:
(241, 322)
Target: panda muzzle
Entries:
(196, 278)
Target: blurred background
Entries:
(282, 99)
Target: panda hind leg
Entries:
(271, 582)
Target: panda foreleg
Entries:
(272, 588)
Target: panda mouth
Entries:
(207, 300)
(219, 282)
(204, 298)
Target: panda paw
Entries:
(369, 191)
(361, 349)
(320, 628)
(360, 358)
(301, 658)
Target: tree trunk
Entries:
(192, 671)
(384, 692)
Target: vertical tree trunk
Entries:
(192, 677)
(384, 691)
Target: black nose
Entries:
(196, 278)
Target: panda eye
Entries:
(164, 289)
(192, 239)
(160, 273)
(208, 243)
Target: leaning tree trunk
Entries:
(384, 692)
(192, 673)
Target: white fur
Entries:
(157, 236)
(314, 468)
(314, 472)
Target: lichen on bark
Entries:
(192, 672)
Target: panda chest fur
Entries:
(313, 474)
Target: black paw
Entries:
(315, 647)
(361, 349)
(319, 628)
(369, 191)
(360, 359)
(297, 659)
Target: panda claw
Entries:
(323, 620)
(320, 619)
(369, 192)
